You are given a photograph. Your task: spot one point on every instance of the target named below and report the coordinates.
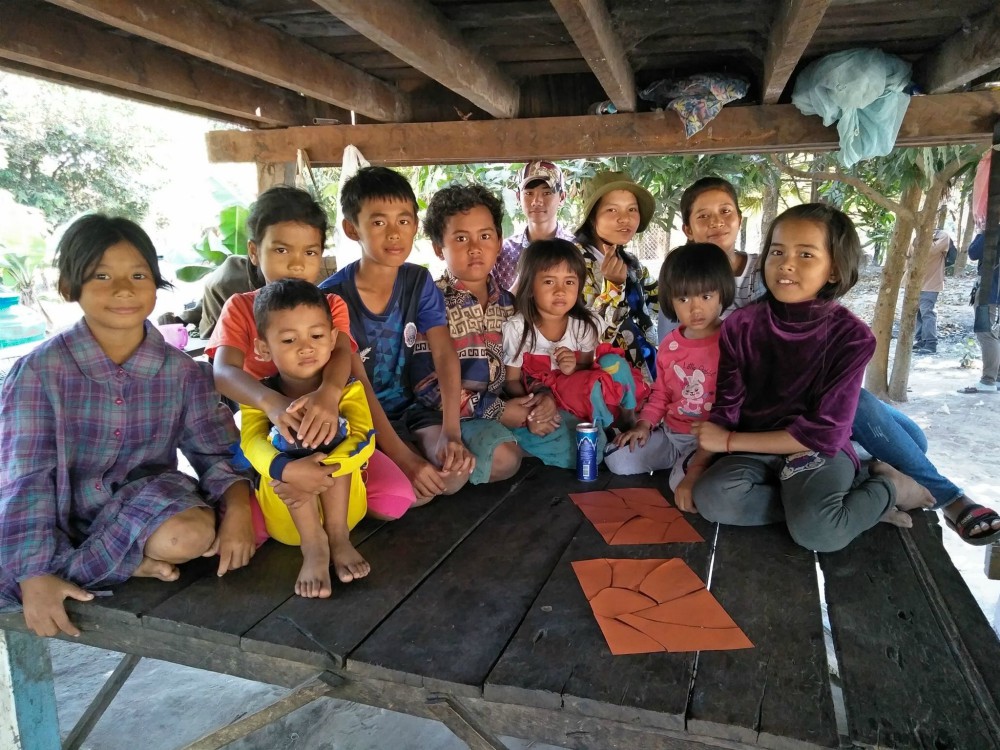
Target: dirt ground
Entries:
(169, 706)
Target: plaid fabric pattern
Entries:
(88, 456)
(505, 269)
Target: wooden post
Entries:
(28, 718)
(270, 174)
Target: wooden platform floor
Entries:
(472, 614)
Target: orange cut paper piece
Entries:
(635, 516)
(647, 606)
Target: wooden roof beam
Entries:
(38, 37)
(416, 33)
(962, 57)
(791, 31)
(589, 23)
(220, 35)
(929, 121)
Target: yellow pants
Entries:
(352, 455)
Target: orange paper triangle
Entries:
(635, 516)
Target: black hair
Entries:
(540, 256)
(374, 183)
(704, 185)
(276, 205)
(693, 269)
(842, 242)
(82, 246)
(286, 294)
(457, 199)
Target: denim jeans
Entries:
(892, 437)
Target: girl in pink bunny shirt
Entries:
(696, 285)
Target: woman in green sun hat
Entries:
(618, 287)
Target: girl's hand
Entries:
(309, 474)
(542, 409)
(565, 360)
(684, 494)
(711, 437)
(613, 268)
(636, 437)
(279, 415)
(453, 455)
(318, 413)
(290, 495)
(44, 611)
(234, 541)
(426, 480)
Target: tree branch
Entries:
(854, 182)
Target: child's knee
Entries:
(817, 534)
(183, 537)
(506, 461)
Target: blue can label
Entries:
(586, 452)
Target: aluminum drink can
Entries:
(586, 452)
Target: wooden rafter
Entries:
(415, 32)
(220, 35)
(930, 120)
(794, 25)
(589, 23)
(963, 56)
(81, 51)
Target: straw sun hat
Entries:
(603, 183)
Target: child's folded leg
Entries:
(495, 448)
(741, 490)
(661, 451)
(390, 493)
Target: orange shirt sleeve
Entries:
(341, 317)
(235, 327)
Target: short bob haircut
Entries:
(457, 199)
(283, 203)
(693, 269)
(83, 244)
(286, 294)
(374, 183)
(841, 239)
(704, 185)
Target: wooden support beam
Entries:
(217, 34)
(791, 31)
(929, 121)
(417, 33)
(965, 55)
(590, 25)
(28, 718)
(42, 38)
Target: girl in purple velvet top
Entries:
(790, 373)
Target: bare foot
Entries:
(897, 518)
(909, 494)
(348, 562)
(150, 568)
(314, 577)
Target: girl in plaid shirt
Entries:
(90, 493)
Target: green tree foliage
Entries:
(66, 151)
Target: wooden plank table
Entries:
(472, 615)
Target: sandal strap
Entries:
(976, 514)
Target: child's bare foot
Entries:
(314, 577)
(150, 568)
(909, 494)
(348, 562)
(897, 518)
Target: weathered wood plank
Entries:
(902, 686)
(221, 610)
(415, 31)
(930, 120)
(28, 719)
(589, 23)
(776, 694)
(81, 50)
(401, 554)
(225, 37)
(964, 56)
(559, 656)
(791, 31)
(448, 634)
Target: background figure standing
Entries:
(541, 191)
(925, 336)
(987, 324)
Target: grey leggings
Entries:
(823, 500)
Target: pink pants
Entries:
(390, 494)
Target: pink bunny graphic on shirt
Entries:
(693, 392)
